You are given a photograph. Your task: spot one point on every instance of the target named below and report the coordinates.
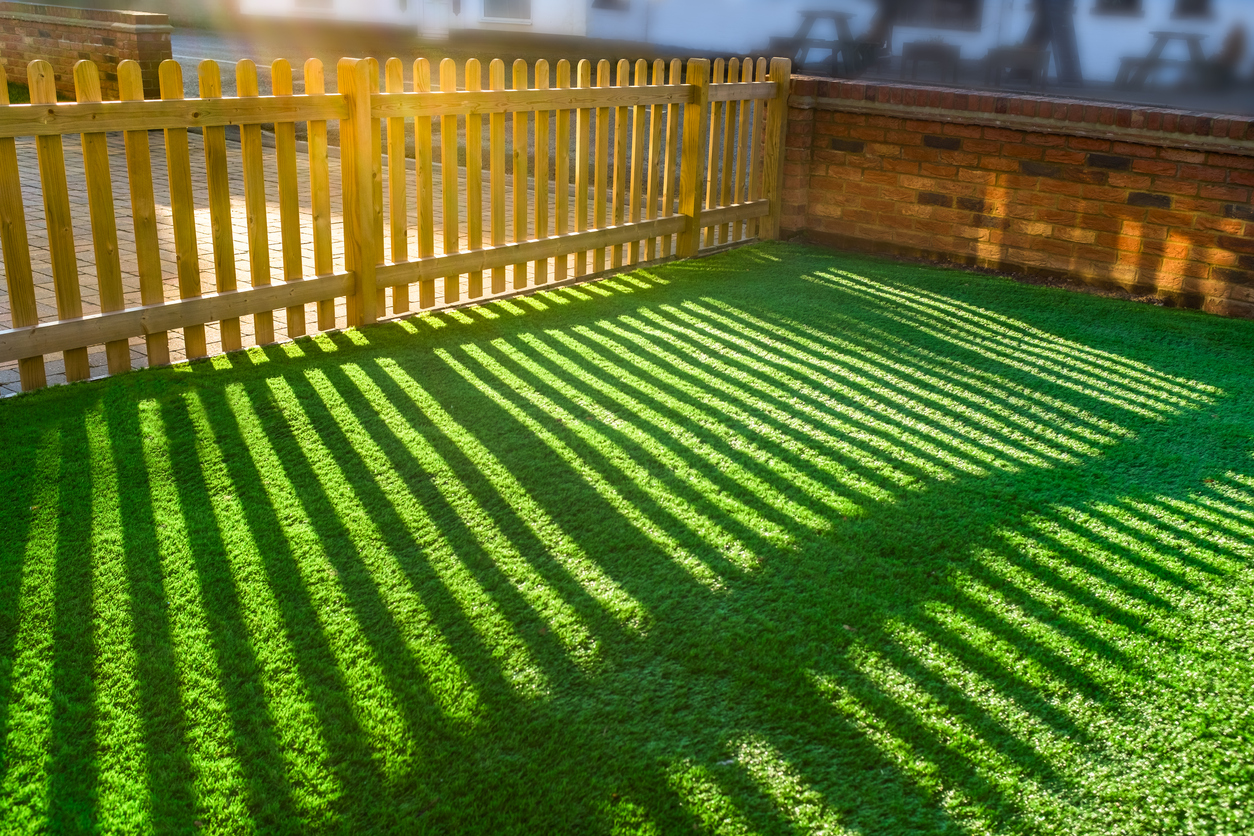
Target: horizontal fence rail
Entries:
(602, 167)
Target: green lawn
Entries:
(777, 541)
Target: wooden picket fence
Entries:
(696, 162)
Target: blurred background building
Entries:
(1188, 53)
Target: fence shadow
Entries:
(806, 545)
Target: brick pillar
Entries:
(797, 154)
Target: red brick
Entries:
(1084, 143)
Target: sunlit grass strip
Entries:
(962, 393)
(1055, 353)
(690, 464)
(600, 586)
(796, 801)
(1013, 719)
(950, 735)
(709, 424)
(1070, 418)
(559, 615)
(355, 672)
(944, 463)
(973, 429)
(978, 343)
(696, 567)
(702, 797)
(1224, 519)
(1058, 625)
(213, 751)
(847, 433)
(293, 720)
(700, 523)
(1198, 553)
(498, 634)
(1023, 334)
(761, 417)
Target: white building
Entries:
(1107, 30)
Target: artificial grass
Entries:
(776, 541)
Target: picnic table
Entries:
(1134, 72)
(843, 49)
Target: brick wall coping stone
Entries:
(1223, 133)
(122, 21)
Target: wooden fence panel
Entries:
(722, 187)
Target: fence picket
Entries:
(448, 180)
(18, 276)
(361, 246)
(726, 173)
(61, 252)
(621, 131)
(474, 178)
(712, 166)
(144, 213)
(692, 168)
(654, 167)
(320, 192)
(603, 149)
(541, 177)
(672, 155)
(638, 162)
(398, 178)
(583, 144)
(756, 129)
(376, 176)
(773, 156)
(496, 153)
(104, 228)
(519, 168)
(561, 173)
(424, 160)
(255, 201)
(289, 195)
(219, 188)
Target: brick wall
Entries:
(1154, 202)
(63, 35)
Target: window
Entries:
(1192, 8)
(1117, 7)
(507, 9)
(941, 14)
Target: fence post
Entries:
(692, 161)
(361, 247)
(776, 134)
